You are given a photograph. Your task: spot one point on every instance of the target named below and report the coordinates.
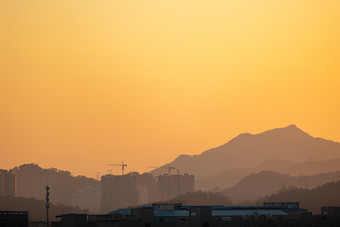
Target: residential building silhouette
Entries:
(170, 186)
(121, 191)
(7, 183)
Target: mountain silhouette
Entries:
(229, 177)
(265, 183)
(311, 199)
(248, 151)
(35, 207)
(199, 198)
(32, 180)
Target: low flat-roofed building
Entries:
(331, 211)
(73, 220)
(177, 215)
(14, 218)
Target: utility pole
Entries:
(47, 204)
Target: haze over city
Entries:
(154, 113)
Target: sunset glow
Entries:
(87, 83)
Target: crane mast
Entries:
(123, 165)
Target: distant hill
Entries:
(311, 199)
(247, 151)
(36, 208)
(309, 167)
(202, 198)
(265, 183)
(230, 177)
(32, 180)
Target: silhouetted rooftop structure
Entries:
(14, 218)
(280, 214)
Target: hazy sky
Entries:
(86, 83)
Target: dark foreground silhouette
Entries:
(36, 208)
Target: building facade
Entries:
(133, 189)
(7, 183)
(118, 192)
(87, 197)
(170, 186)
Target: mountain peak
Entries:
(249, 150)
(292, 126)
(291, 131)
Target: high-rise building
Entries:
(170, 186)
(127, 190)
(143, 195)
(7, 183)
(119, 192)
(148, 189)
(140, 189)
(87, 197)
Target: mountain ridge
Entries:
(265, 183)
(249, 150)
(32, 180)
(311, 199)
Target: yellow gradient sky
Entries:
(84, 83)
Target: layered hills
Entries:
(35, 207)
(311, 199)
(247, 152)
(265, 183)
(32, 180)
(246, 168)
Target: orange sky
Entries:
(86, 83)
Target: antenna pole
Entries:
(47, 204)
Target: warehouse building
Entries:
(168, 215)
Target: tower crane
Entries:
(123, 165)
(168, 166)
